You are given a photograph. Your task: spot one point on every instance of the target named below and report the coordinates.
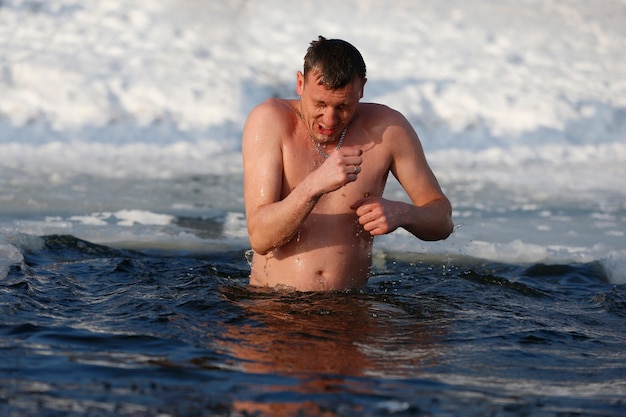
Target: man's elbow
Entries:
(441, 229)
(447, 230)
(447, 225)
(438, 233)
(257, 245)
(260, 250)
(259, 242)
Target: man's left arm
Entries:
(429, 215)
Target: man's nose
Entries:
(330, 117)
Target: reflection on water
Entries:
(325, 342)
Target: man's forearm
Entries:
(432, 221)
(273, 225)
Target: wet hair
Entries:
(337, 61)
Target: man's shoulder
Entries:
(274, 114)
(377, 114)
(390, 124)
(377, 108)
(275, 107)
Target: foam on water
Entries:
(120, 121)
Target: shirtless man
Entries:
(314, 174)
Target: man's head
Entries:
(336, 61)
(330, 87)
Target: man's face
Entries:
(327, 112)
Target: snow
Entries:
(520, 105)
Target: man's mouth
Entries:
(325, 131)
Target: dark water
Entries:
(87, 330)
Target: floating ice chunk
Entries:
(131, 217)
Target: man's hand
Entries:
(342, 167)
(379, 216)
(376, 215)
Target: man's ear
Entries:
(363, 87)
(299, 83)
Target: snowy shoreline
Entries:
(521, 108)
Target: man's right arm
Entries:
(271, 221)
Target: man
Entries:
(314, 174)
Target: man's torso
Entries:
(330, 250)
